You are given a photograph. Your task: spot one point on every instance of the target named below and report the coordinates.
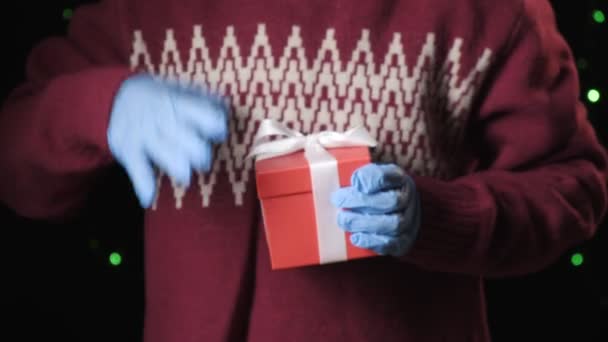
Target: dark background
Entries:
(60, 285)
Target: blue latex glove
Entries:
(382, 209)
(155, 124)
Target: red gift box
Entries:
(285, 189)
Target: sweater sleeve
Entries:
(53, 126)
(540, 184)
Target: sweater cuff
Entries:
(95, 106)
(455, 219)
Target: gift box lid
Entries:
(290, 174)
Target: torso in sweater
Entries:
(410, 71)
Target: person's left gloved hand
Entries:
(382, 209)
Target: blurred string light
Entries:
(599, 16)
(576, 259)
(593, 95)
(115, 259)
(67, 13)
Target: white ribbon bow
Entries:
(324, 174)
(313, 144)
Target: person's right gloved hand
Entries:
(154, 124)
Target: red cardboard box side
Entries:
(283, 175)
(290, 227)
(284, 188)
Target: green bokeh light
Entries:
(67, 13)
(599, 16)
(577, 259)
(593, 95)
(115, 259)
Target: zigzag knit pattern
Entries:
(416, 112)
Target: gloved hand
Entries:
(382, 209)
(157, 124)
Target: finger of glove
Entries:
(354, 222)
(221, 103)
(373, 178)
(170, 159)
(378, 203)
(198, 150)
(208, 119)
(202, 158)
(382, 244)
(142, 176)
(214, 98)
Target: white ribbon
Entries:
(323, 170)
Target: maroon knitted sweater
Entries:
(476, 99)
